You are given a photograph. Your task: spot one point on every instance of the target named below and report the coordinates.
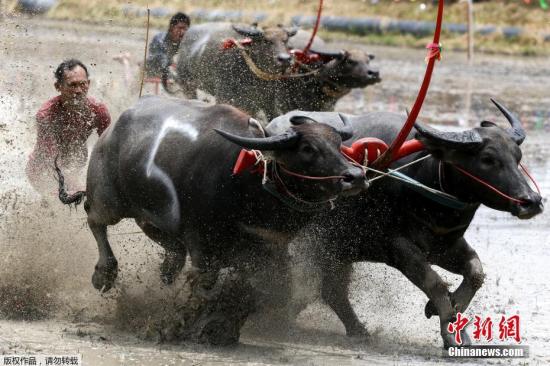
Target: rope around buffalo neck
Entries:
(263, 75)
(305, 205)
(314, 205)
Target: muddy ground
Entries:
(48, 254)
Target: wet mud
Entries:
(47, 302)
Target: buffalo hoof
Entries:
(171, 267)
(167, 278)
(219, 331)
(218, 307)
(450, 341)
(358, 331)
(430, 309)
(105, 274)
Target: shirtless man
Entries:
(63, 125)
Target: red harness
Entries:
(365, 151)
(369, 146)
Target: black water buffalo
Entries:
(163, 164)
(338, 72)
(403, 228)
(204, 63)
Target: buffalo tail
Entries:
(64, 196)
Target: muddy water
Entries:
(48, 253)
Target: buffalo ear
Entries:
(257, 127)
(433, 146)
(291, 31)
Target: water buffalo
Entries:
(205, 63)
(163, 164)
(403, 228)
(338, 72)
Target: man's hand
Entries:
(164, 76)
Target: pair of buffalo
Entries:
(258, 72)
(164, 164)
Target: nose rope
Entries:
(481, 181)
(530, 177)
(389, 174)
(309, 176)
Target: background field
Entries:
(532, 18)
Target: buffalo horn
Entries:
(278, 142)
(300, 120)
(347, 130)
(247, 30)
(339, 55)
(516, 132)
(465, 139)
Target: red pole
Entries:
(385, 159)
(308, 46)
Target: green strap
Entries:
(442, 198)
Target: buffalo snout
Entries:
(284, 60)
(530, 207)
(354, 181)
(373, 74)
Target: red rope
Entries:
(488, 185)
(232, 42)
(308, 176)
(386, 158)
(308, 46)
(530, 177)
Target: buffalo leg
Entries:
(171, 266)
(408, 259)
(174, 255)
(104, 207)
(189, 90)
(334, 291)
(106, 269)
(461, 259)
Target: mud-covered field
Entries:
(47, 302)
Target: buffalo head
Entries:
(269, 46)
(348, 69)
(489, 153)
(310, 149)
